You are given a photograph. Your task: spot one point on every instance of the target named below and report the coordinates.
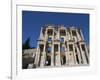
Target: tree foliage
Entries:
(26, 45)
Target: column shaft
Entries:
(43, 57)
(36, 62)
(83, 56)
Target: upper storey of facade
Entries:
(60, 33)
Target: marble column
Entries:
(36, 62)
(75, 61)
(43, 56)
(71, 36)
(66, 54)
(52, 55)
(81, 35)
(52, 50)
(71, 55)
(83, 55)
(57, 56)
(78, 53)
(41, 34)
(79, 38)
(86, 53)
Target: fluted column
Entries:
(86, 52)
(83, 55)
(66, 54)
(52, 50)
(79, 38)
(52, 55)
(81, 35)
(71, 34)
(71, 59)
(41, 33)
(43, 56)
(78, 53)
(36, 62)
(75, 61)
(59, 56)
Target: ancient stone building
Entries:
(61, 46)
(28, 57)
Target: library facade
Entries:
(59, 46)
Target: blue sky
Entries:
(32, 22)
